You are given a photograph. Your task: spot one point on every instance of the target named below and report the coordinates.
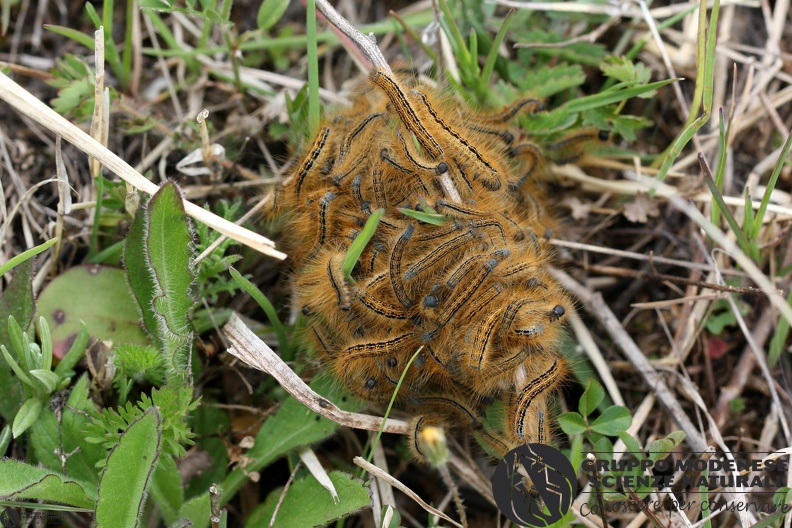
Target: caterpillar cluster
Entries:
(474, 292)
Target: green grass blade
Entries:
(391, 402)
(314, 108)
(360, 243)
(720, 167)
(492, 56)
(73, 34)
(705, 52)
(605, 98)
(779, 339)
(428, 218)
(25, 255)
(771, 184)
(268, 307)
(717, 198)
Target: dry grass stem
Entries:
(245, 345)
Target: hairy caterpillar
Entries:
(474, 292)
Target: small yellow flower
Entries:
(433, 444)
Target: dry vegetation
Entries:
(682, 315)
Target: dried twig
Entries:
(28, 104)
(249, 348)
(377, 472)
(596, 306)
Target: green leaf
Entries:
(138, 274)
(572, 423)
(270, 13)
(547, 80)
(5, 439)
(15, 301)
(75, 97)
(157, 5)
(19, 480)
(167, 489)
(623, 69)
(428, 218)
(47, 378)
(292, 426)
(25, 256)
(75, 352)
(307, 503)
(613, 421)
(77, 36)
(592, 397)
(96, 296)
(196, 510)
(28, 414)
(48, 436)
(605, 98)
(360, 243)
(127, 475)
(660, 448)
(15, 367)
(631, 443)
(46, 345)
(169, 254)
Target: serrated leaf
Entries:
(306, 503)
(622, 69)
(592, 397)
(169, 254)
(613, 421)
(19, 480)
(547, 80)
(28, 413)
(270, 13)
(547, 123)
(127, 475)
(138, 274)
(73, 96)
(572, 423)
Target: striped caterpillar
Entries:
(474, 292)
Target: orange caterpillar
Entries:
(473, 292)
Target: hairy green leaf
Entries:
(139, 275)
(19, 480)
(169, 254)
(307, 503)
(127, 475)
